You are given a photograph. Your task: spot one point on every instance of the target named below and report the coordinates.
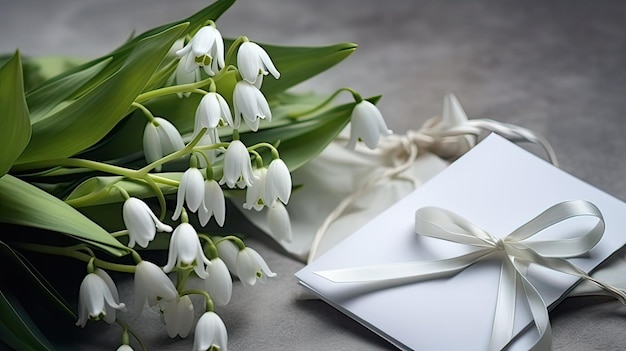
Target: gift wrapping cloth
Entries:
(498, 188)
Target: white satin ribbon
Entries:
(516, 251)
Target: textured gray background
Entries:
(556, 67)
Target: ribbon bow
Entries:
(516, 251)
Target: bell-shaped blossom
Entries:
(185, 250)
(228, 252)
(161, 140)
(237, 166)
(277, 183)
(182, 75)
(214, 202)
(251, 267)
(98, 298)
(141, 222)
(152, 285)
(210, 333)
(178, 317)
(255, 194)
(366, 124)
(125, 348)
(211, 109)
(279, 222)
(219, 284)
(249, 104)
(207, 47)
(253, 63)
(190, 191)
(246, 263)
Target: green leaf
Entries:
(86, 120)
(14, 118)
(17, 329)
(297, 64)
(49, 95)
(23, 204)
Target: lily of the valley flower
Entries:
(152, 285)
(255, 194)
(210, 137)
(182, 75)
(250, 104)
(207, 47)
(246, 263)
(211, 109)
(141, 222)
(214, 203)
(219, 284)
(237, 166)
(253, 63)
(178, 317)
(161, 140)
(279, 223)
(124, 348)
(277, 183)
(366, 124)
(185, 250)
(210, 333)
(98, 298)
(190, 191)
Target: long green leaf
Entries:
(23, 204)
(48, 96)
(16, 328)
(89, 118)
(15, 130)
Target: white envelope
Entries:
(498, 186)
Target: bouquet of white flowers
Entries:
(140, 150)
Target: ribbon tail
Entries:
(539, 311)
(503, 321)
(405, 272)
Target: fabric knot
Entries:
(500, 245)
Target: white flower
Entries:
(210, 333)
(255, 194)
(237, 166)
(277, 183)
(152, 285)
(249, 104)
(185, 249)
(178, 317)
(182, 75)
(219, 284)
(251, 267)
(207, 47)
(246, 263)
(161, 140)
(98, 298)
(253, 63)
(214, 202)
(190, 191)
(279, 223)
(141, 222)
(211, 109)
(366, 124)
(228, 252)
(125, 348)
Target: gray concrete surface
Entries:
(556, 67)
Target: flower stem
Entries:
(233, 48)
(69, 252)
(273, 149)
(207, 298)
(182, 88)
(357, 98)
(146, 113)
